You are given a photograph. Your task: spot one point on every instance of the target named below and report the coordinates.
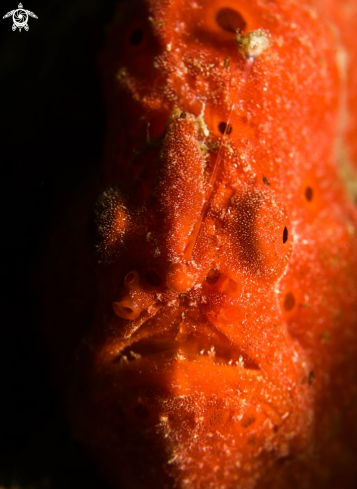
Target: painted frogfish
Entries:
(206, 287)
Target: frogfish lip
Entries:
(184, 367)
(200, 348)
(166, 365)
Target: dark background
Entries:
(52, 131)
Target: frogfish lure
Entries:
(206, 288)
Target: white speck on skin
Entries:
(201, 121)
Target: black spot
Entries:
(230, 20)
(289, 301)
(247, 421)
(311, 377)
(136, 37)
(309, 194)
(265, 180)
(153, 278)
(212, 276)
(222, 128)
(285, 235)
(183, 115)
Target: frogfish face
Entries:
(194, 345)
(223, 244)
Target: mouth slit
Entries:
(196, 348)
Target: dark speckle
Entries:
(285, 235)
(309, 194)
(247, 421)
(289, 301)
(212, 276)
(222, 128)
(230, 20)
(265, 180)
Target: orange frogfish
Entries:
(204, 298)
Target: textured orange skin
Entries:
(283, 412)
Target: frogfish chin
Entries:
(208, 333)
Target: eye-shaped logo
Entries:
(20, 17)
